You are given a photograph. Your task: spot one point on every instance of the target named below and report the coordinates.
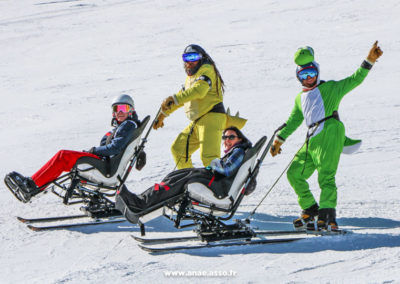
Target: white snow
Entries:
(62, 62)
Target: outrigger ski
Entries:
(74, 225)
(96, 221)
(50, 219)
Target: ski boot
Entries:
(307, 215)
(326, 223)
(22, 187)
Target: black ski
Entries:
(66, 226)
(50, 219)
(195, 238)
(218, 244)
(165, 240)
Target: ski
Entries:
(328, 233)
(194, 238)
(75, 225)
(50, 219)
(220, 244)
(165, 240)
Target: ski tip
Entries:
(33, 228)
(23, 220)
(147, 248)
(139, 239)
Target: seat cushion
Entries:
(203, 194)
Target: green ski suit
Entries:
(325, 145)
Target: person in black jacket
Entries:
(125, 121)
(218, 176)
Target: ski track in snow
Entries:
(64, 60)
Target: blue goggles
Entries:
(191, 57)
(307, 72)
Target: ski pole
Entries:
(276, 181)
(314, 126)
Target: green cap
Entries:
(304, 55)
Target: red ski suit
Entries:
(64, 160)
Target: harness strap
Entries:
(188, 138)
(107, 159)
(110, 135)
(315, 125)
(334, 115)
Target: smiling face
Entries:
(308, 75)
(121, 112)
(230, 139)
(121, 116)
(309, 82)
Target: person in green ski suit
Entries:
(318, 104)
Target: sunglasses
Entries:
(229, 137)
(123, 108)
(191, 57)
(307, 72)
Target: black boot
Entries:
(307, 216)
(22, 187)
(326, 221)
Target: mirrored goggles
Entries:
(124, 108)
(191, 57)
(307, 72)
(230, 137)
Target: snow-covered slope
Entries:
(62, 62)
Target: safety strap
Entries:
(107, 159)
(111, 135)
(315, 125)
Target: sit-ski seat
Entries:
(108, 172)
(208, 202)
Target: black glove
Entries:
(251, 186)
(141, 161)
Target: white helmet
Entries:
(123, 99)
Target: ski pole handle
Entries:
(276, 131)
(280, 128)
(156, 118)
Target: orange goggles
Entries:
(124, 108)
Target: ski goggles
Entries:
(307, 72)
(229, 137)
(191, 57)
(124, 108)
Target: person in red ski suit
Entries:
(125, 121)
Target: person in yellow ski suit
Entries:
(202, 98)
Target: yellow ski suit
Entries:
(199, 98)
